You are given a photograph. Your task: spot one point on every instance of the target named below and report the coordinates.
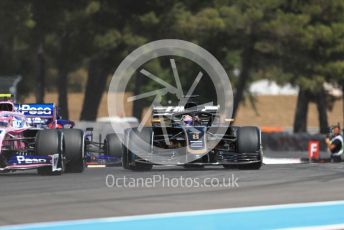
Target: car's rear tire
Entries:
(113, 145)
(49, 142)
(74, 150)
(248, 141)
(132, 139)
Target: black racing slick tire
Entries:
(113, 145)
(132, 139)
(74, 150)
(49, 142)
(248, 141)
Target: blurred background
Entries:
(285, 58)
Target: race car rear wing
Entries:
(170, 110)
(38, 115)
(37, 110)
(165, 114)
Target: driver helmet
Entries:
(187, 119)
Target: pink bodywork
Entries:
(16, 125)
(12, 126)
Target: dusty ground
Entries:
(272, 111)
(279, 111)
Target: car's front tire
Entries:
(74, 150)
(249, 142)
(131, 146)
(113, 145)
(49, 142)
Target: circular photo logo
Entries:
(187, 99)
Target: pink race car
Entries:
(29, 139)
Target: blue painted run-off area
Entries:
(265, 217)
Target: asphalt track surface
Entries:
(26, 197)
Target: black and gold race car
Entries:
(192, 136)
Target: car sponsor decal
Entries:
(196, 137)
(40, 110)
(28, 159)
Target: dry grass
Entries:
(75, 101)
(272, 111)
(279, 111)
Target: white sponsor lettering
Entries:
(22, 159)
(34, 110)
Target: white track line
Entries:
(274, 161)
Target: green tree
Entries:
(236, 32)
(68, 45)
(309, 38)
